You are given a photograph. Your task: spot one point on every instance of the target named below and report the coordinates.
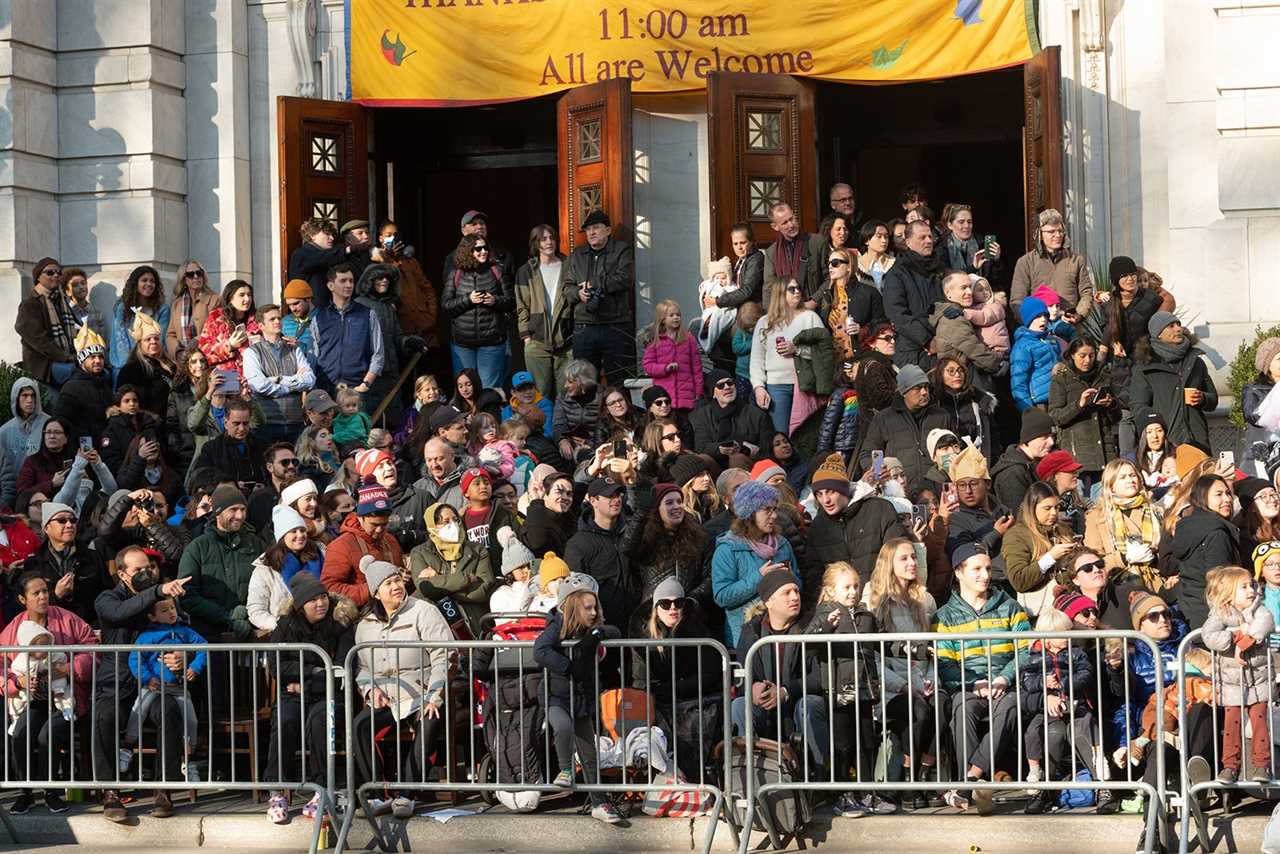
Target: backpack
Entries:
(625, 709)
(1072, 798)
(781, 812)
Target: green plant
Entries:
(1101, 275)
(1243, 371)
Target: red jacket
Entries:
(213, 341)
(685, 383)
(341, 573)
(66, 628)
(22, 542)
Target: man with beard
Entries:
(442, 481)
(217, 566)
(848, 527)
(406, 522)
(911, 289)
(727, 425)
(794, 255)
(137, 518)
(598, 282)
(359, 244)
(1051, 262)
(86, 396)
(1170, 379)
(901, 429)
(122, 614)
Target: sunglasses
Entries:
(723, 384)
(288, 463)
(480, 249)
(889, 338)
(666, 437)
(63, 520)
(1095, 566)
(1155, 616)
(671, 604)
(837, 262)
(51, 272)
(1087, 613)
(662, 401)
(793, 289)
(194, 274)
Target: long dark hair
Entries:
(228, 292)
(467, 405)
(275, 555)
(1199, 497)
(130, 298)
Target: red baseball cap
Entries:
(1055, 462)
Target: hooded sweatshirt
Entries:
(19, 438)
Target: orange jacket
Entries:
(418, 301)
(341, 572)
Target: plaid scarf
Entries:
(62, 320)
(1123, 525)
(187, 336)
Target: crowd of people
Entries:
(868, 428)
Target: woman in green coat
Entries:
(1083, 409)
(449, 566)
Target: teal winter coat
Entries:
(735, 572)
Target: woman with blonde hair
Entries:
(317, 455)
(848, 304)
(1125, 525)
(672, 357)
(900, 604)
(774, 351)
(192, 301)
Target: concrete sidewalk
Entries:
(235, 827)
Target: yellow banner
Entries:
(426, 52)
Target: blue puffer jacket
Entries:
(735, 572)
(1031, 363)
(1142, 682)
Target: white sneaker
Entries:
(1034, 775)
(191, 771)
(126, 757)
(402, 808)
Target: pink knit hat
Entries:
(1047, 295)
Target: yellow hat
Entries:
(298, 289)
(553, 567)
(969, 464)
(89, 343)
(143, 325)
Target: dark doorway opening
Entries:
(960, 138)
(433, 165)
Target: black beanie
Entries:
(773, 581)
(1035, 423)
(654, 392)
(1121, 266)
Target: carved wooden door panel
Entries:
(1042, 137)
(596, 157)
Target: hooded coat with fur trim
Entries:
(334, 634)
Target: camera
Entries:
(147, 505)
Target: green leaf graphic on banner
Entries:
(394, 52)
(882, 57)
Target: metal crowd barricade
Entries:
(1190, 791)
(878, 649)
(478, 667)
(83, 664)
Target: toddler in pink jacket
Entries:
(673, 359)
(988, 315)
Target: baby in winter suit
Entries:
(36, 668)
(987, 314)
(715, 321)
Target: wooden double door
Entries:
(762, 150)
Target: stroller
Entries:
(514, 721)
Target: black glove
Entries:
(414, 344)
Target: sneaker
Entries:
(23, 804)
(55, 803)
(112, 809)
(563, 780)
(1228, 775)
(126, 758)
(848, 806)
(1034, 774)
(162, 806)
(402, 808)
(278, 809)
(1260, 775)
(312, 807)
(191, 771)
(878, 805)
(378, 807)
(955, 800)
(1136, 805)
(1108, 803)
(607, 813)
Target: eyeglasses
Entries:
(834, 262)
(193, 274)
(667, 437)
(841, 200)
(1157, 615)
(617, 401)
(1088, 612)
(967, 485)
(288, 463)
(1052, 230)
(724, 384)
(671, 604)
(953, 371)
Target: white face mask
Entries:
(450, 532)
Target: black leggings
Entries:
(372, 759)
(287, 742)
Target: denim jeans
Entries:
(780, 406)
(809, 714)
(490, 361)
(610, 347)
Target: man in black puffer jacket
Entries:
(726, 424)
(85, 398)
(901, 430)
(598, 279)
(596, 550)
(845, 529)
(911, 289)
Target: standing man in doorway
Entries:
(359, 245)
(597, 281)
(477, 223)
(310, 261)
(911, 289)
(842, 201)
(794, 255)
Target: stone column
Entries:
(28, 154)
